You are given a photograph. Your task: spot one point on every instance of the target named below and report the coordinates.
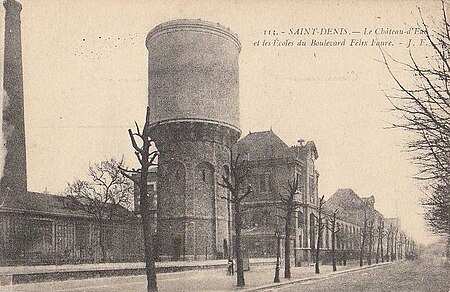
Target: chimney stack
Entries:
(15, 168)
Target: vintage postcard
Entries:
(224, 145)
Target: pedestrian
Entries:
(230, 267)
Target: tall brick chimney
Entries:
(15, 169)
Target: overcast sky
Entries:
(85, 82)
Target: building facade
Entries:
(40, 228)
(272, 164)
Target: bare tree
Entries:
(234, 181)
(289, 205)
(422, 101)
(363, 239)
(320, 226)
(380, 229)
(334, 229)
(388, 242)
(400, 245)
(395, 244)
(143, 145)
(106, 195)
(438, 213)
(106, 191)
(370, 243)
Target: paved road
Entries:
(428, 274)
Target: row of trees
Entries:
(422, 101)
(397, 243)
(424, 107)
(112, 187)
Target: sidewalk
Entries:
(325, 272)
(257, 279)
(26, 274)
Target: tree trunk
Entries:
(318, 250)
(101, 240)
(387, 247)
(363, 241)
(146, 222)
(361, 251)
(392, 247)
(319, 238)
(333, 246)
(369, 248)
(287, 247)
(377, 259)
(447, 252)
(149, 257)
(239, 261)
(395, 246)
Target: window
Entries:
(301, 220)
(301, 181)
(151, 187)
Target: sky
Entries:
(85, 83)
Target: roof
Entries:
(345, 198)
(347, 202)
(262, 145)
(351, 207)
(47, 204)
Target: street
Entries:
(427, 274)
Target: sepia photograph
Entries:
(207, 145)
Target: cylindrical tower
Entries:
(193, 91)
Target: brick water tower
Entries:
(193, 94)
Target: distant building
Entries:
(353, 210)
(40, 228)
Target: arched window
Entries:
(172, 188)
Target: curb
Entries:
(315, 278)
